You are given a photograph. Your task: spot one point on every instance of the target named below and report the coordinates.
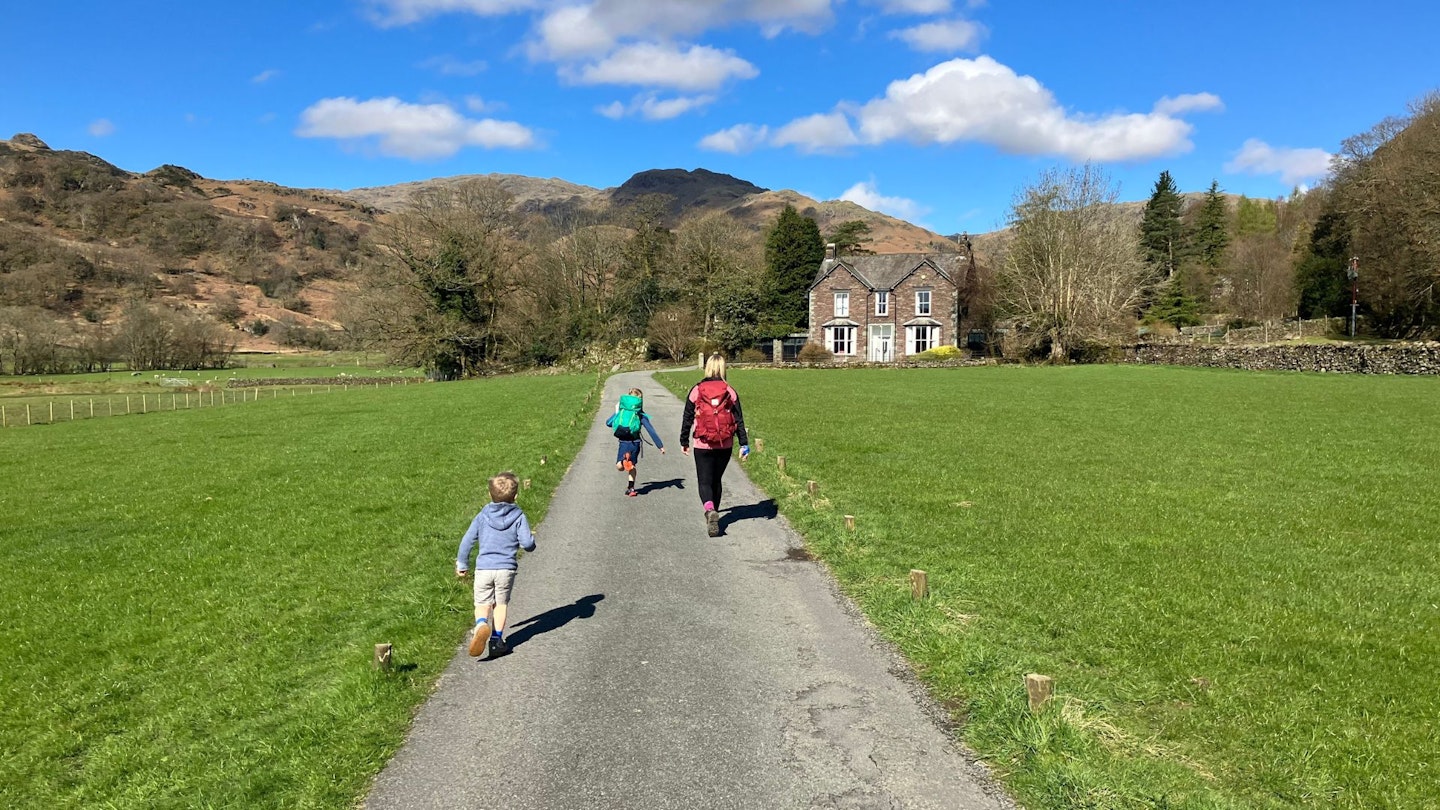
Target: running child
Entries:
(628, 419)
(500, 530)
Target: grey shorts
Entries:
(493, 587)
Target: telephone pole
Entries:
(1353, 273)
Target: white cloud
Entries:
(264, 76)
(404, 12)
(699, 67)
(447, 65)
(653, 108)
(591, 29)
(868, 195)
(822, 132)
(1293, 165)
(736, 140)
(942, 35)
(101, 127)
(409, 130)
(479, 106)
(982, 100)
(1189, 102)
(913, 6)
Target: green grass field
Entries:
(192, 599)
(1231, 576)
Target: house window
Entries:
(842, 304)
(922, 302)
(840, 339)
(921, 338)
(882, 303)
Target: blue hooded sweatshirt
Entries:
(500, 528)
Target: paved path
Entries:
(654, 667)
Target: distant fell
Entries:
(687, 190)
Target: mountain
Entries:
(80, 238)
(695, 191)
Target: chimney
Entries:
(831, 251)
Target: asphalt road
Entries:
(655, 667)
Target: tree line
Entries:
(1076, 274)
(463, 282)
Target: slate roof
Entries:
(885, 271)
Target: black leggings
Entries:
(709, 469)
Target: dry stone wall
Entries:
(1398, 358)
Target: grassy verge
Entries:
(1231, 576)
(192, 599)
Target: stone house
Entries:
(884, 308)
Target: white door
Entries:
(881, 343)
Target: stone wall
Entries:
(1394, 358)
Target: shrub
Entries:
(258, 328)
(752, 355)
(815, 353)
(939, 353)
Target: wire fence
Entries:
(54, 410)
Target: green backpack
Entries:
(627, 418)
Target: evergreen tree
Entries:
(1161, 232)
(1212, 229)
(1320, 279)
(850, 237)
(1173, 305)
(1255, 217)
(793, 253)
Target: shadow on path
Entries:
(764, 510)
(651, 486)
(553, 619)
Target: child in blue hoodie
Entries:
(500, 529)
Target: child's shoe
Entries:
(628, 464)
(631, 493)
(480, 640)
(498, 647)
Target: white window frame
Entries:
(882, 302)
(912, 338)
(929, 301)
(840, 340)
(842, 303)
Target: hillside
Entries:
(80, 238)
(690, 192)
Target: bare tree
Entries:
(448, 266)
(673, 330)
(711, 250)
(1072, 272)
(1387, 186)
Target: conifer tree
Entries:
(1212, 229)
(793, 253)
(1161, 232)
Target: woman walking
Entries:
(712, 410)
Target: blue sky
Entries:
(933, 110)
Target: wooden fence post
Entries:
(72, 410)
(780, 462)
(759, 445)
(850, 523)
(919, 584)
(2, 416)
(1039, 689)
(813, 487)
(52, 411)
(384, 653)
(27, 414)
